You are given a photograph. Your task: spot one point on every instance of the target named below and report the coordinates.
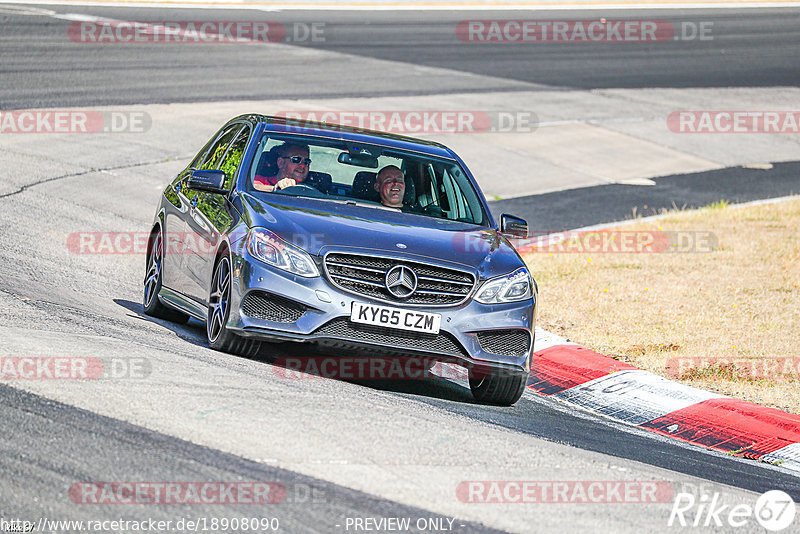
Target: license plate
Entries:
(415, 321)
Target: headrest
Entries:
(321, 181)
(267, 164)
(364, 186)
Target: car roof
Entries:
(348, 133)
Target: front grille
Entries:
(505, 342)
(366, 275)
(342, 328)
(261, 305)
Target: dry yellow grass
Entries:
(737, 306)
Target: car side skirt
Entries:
(175, 300)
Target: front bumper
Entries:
(292, 308)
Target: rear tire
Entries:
(219, 337)
(152, 283)
(499, 387)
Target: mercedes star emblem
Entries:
(401, 281)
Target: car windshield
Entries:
(348, 172)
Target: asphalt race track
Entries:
(342, 450)
(41, 70)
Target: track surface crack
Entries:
(90, 171)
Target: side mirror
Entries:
(513, 225)
(210, 181)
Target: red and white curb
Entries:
(623, 393)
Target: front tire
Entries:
(219, 337)
(152, 283)
(499, 387)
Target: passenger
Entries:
(292, 162)
(390, 184)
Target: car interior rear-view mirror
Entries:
(359, 160)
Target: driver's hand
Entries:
(283, 183)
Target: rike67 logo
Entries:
(774, 511)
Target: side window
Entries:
(198, 159)
(441, 194)
(455, 205)
(233, 158)
(450, 193)
(434, 184)
(215, 154)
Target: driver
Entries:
(293, 162)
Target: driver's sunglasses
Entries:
(299, 159)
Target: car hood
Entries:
(319, 226)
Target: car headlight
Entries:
(507, 288)
(272, 250)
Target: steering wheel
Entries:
(301, 187)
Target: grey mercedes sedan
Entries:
(352, 240)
